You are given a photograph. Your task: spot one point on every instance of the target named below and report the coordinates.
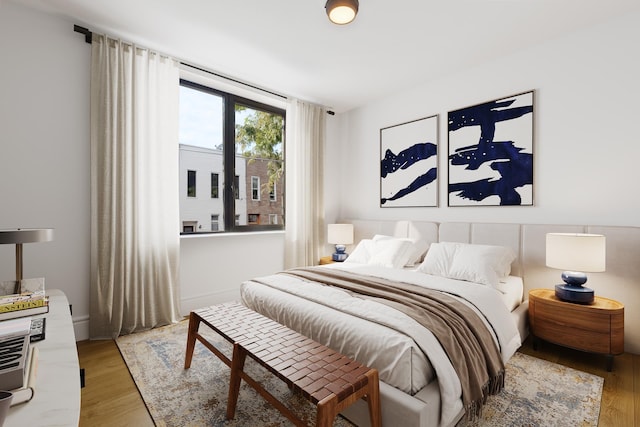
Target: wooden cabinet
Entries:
(596, 327)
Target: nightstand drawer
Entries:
(574, 319)
(569, 336)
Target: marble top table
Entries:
(56, 401)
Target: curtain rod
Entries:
(213, 73)
(88, 38)
(88, 35)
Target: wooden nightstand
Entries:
(326, 260)
(596, 327)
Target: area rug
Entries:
(537, 392)
(541, 393)
(198, 396)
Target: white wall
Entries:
(44, 154)
(45, 172)
(586, 139)
(213, 267)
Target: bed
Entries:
(419, 385)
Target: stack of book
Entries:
(21, 305)
(18, 359)
(30, 302)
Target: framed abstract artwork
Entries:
(491, 153)
(409, 164)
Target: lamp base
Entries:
(339, 256)
(575, 294)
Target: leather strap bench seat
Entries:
(328, 379)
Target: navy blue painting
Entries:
(409, 164)
(491, 153)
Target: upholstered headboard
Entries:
(620, 281)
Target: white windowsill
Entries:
(230, 234)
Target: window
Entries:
(255, 188)
(214, 186)
(239, 142)
(191, 183)
(272, 195)
(273, 219)
(189, 226)
(214, 222)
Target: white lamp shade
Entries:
(576, 252)
(340, 234)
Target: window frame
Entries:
(215, 219)
(255, 189)
(273, 193)
(195, 184)
(229, 190)
(216, 186)
(255, 217)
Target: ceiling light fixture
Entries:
(341, 11)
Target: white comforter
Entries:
(390, 343)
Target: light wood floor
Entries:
(110, 396)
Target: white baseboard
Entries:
(81, 323)
(81, 327)
(192, 303)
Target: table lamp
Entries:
(18, 236)
(340, 235)
(577, 254)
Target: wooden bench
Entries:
(325, 377)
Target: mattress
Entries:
(378, 335)
(402, 364)
(511, 290)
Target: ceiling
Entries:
(290, 47)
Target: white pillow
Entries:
(485, 264)
(362, 252)
(438, 260)
(417, 249)
(392, 253)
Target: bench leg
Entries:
(194, 322)
(373, 399)
(237, 364)
(327, 411)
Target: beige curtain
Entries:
(134, 189)
(304, 230)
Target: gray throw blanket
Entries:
(463, 335)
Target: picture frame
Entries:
(409, 164)
(490, 153)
